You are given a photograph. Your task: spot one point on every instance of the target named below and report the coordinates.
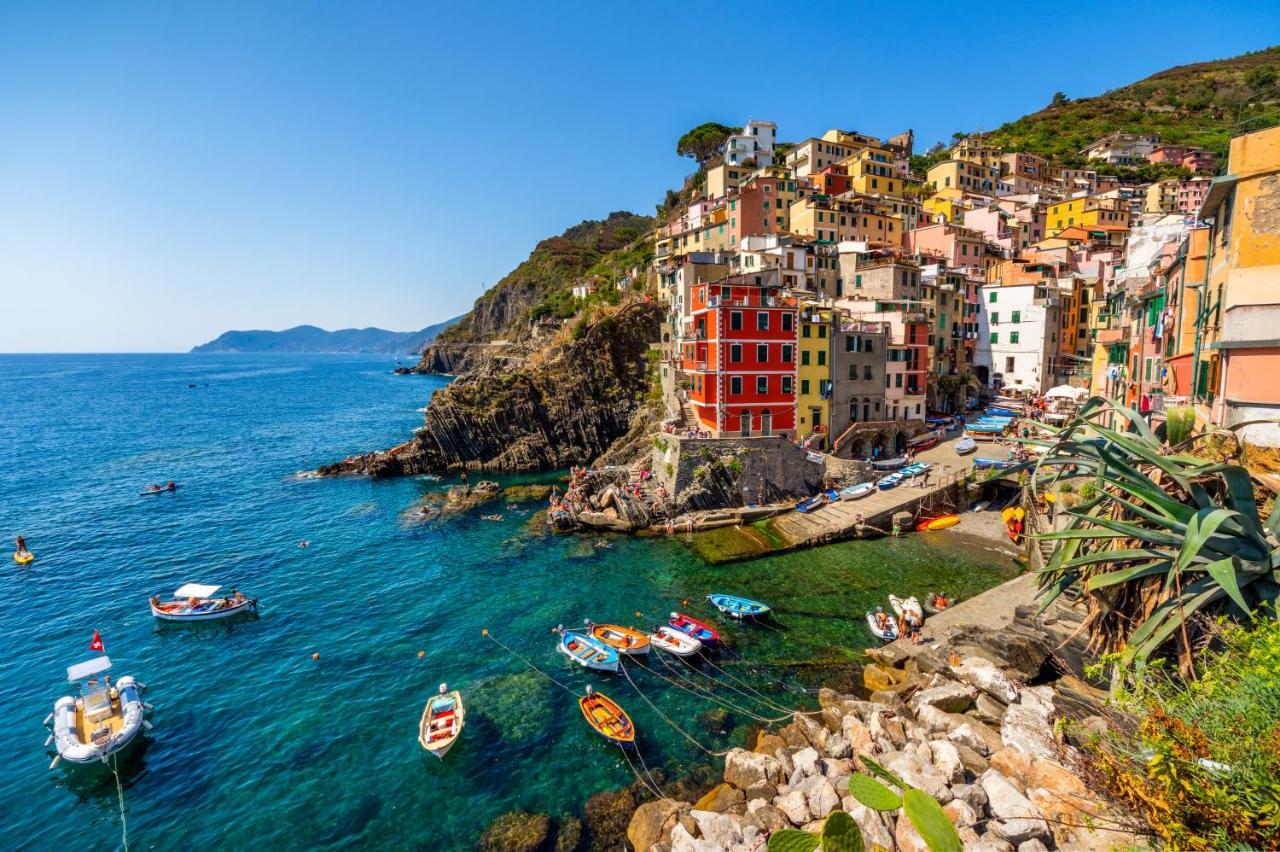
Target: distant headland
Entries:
(309, 338)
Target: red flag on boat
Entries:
(96, 644)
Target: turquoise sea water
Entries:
(256, 743)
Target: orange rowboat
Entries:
(625, 640)
(607, 718)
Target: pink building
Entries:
(1191, 194)
(957, 245)
(1185, 156)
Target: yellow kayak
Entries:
(24, 558)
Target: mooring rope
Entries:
(747, 693)
(666, 718)
(124, 827)
(745, 689)
(703, 692)
(486, 632)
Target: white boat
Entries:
(442, 721)
(195, 602)
(886, 634)
(981, 506)
(674, 642)
(909, 607)
(101, 720)
(857, 492)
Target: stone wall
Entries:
(713, 473)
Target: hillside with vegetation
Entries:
(1203, 104)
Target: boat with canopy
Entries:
(101, 719)
(196, 602)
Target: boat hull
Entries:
(887, 635)
(704, 633)
(675, 642)
(588, 652)
(906, 606)
(941, 522)
(66, 738)
(857, 492)
(736, 607)
(616, 637)
(438, 738)
(247, 605)
(608, 719)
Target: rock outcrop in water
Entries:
(563, 405)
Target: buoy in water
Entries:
(421, 654)
(316, 655)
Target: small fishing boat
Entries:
(831, 495)
(925, 441)
(982, 463)
(931, 607)
(810, 503)
(889, 464)
(607, 719)
(980, 506)
(857, 492)
(738, 607)
(625, 640)
(889, 481)
(704, 633)
(908, 607)
(442, 721)
(675, 642)
(24, 557)
(194, 602)
(884, 634)
(587, 651)
(965, 446)
(910, 471)
(101, 720)
(940, 522)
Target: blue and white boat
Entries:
(857, 492)
(998, 464)
(889, 481)
(965, 446)
(810, 503)
(587, 651)
(736, 607)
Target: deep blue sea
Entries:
(254, 742)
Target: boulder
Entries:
(884, 725)
(682, 840)
(517, 831)
(878, 677)
(837, 746)
(988, 709)
(985, 676)
(568, 834)
(1021, 650)
(989, 843)
(961, 813)
(652, 823)
(938, 721)
(971, 760)
(832, 718)
(971, 794)
(767, 743)
(1032, 845)
(1012, 764)
(1017, 819)
(795, 805)
(721, 799)
(946, 759)
(721, 830)
(745, 770)
(949, 697)
(876, 827)
(608, 815)
(822, 799)
(857, 735)
(767, 792)
(918, 773)
(769, 817)
(1026, 729)
(806, 764)
(976, 736)
(890, 699)
(835, 768)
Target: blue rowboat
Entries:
(808, 505)
(856, 492)
(738, 607)
(831, 494)
(965, 446)
(588, 651)
(889, 481)
(999, 464)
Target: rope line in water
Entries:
(745, 688)
(666, 718)
(124, 828)
(702, 692)
(747, 694)
(647, 778)
(529, 664)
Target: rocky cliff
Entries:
(564, 404)
(540, 287)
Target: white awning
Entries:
(89, 668)
(195, 590)
(1066, 392)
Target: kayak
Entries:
(939, 523)
(24, 558)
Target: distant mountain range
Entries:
(309, 338)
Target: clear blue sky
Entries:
(168, 172)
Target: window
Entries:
(726, 292)
(992, 300)
(995, 317)
(1008, 365)
(762, 321)
(857, 282)
(735, 320)
(804, 357)
(897, 380)
(1013, 337)
(1017, 316)
(822, 357)
(762, 384)
(786, 353)
(866, 372)
(735, 353)
(762, 353)
(735, 385)
(804, 387)
(788, 321)
(853, 372)
(995, 337)
(786, 384)
(822, 331)
(804, 330)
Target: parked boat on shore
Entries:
(965, 446)
(887, 633)
(103, 719)
(857, 492)
(885, 483)
(907, 608)
(939, 522)
(889, 464)
(442, 721)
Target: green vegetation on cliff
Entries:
(1203, 104)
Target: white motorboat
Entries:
(674, 642)
(885, 634)
(908, 607)
(101, 720)
(442, 721)
(195, 602)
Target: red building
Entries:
(739, 353)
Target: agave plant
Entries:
(1164, 539)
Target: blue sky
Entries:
(170, 171)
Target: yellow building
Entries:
(871, 171)
(1086, 211)
(1162, 196)
(965, 176)
(835, 220)
(813, 398)
(975, 150)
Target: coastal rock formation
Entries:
(563, 406)
(980, 737)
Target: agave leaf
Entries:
(1225, 571)
(792, 840)
(1133, 572)
(841, 834)
(931, 821)
(1177, 472)
(1199, 531)
(873, 794)
(1125, 555)
(1190, 605)
(1070, 535)
(1161, 613)
(1050, 592)
(1141, 533)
